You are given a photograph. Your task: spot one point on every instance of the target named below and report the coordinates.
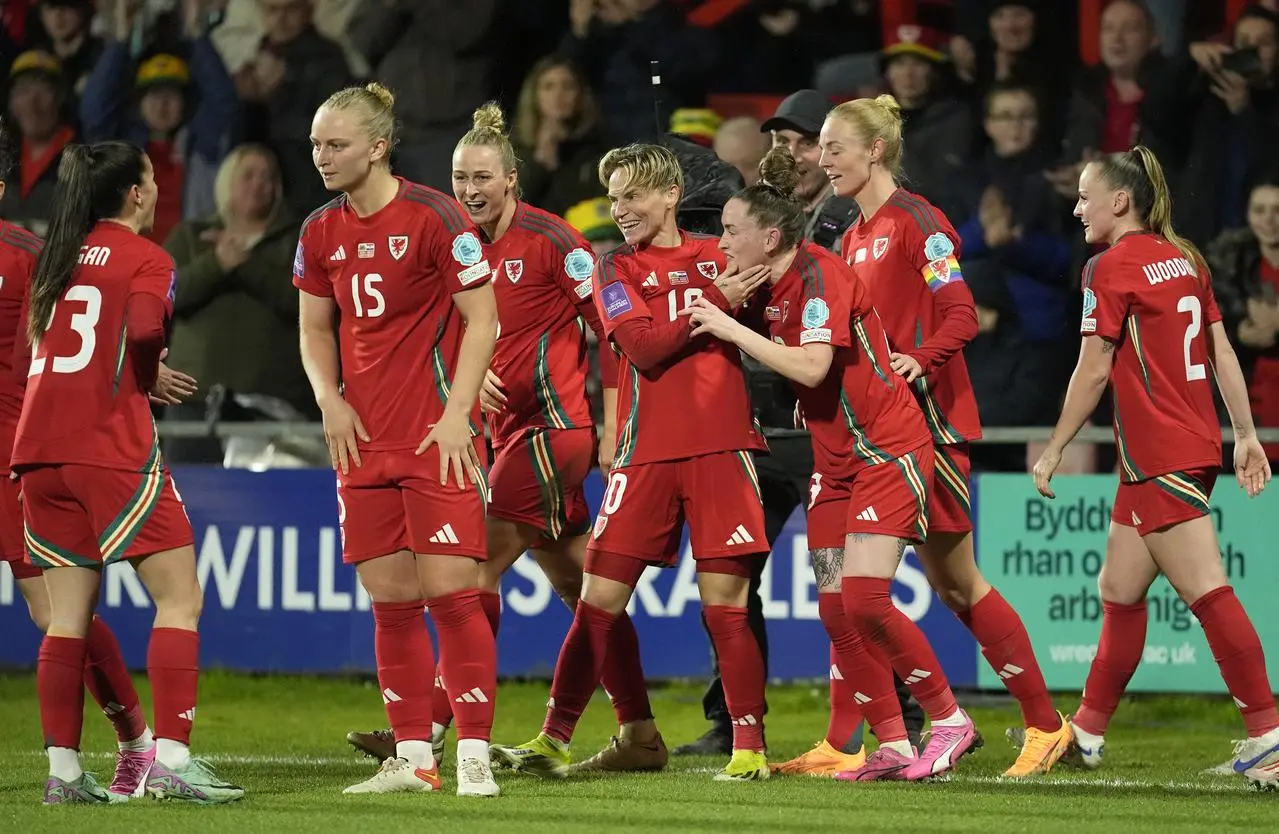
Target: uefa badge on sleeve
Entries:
(579, 264)
(1089, 322)
(466, 249)
(938, 246)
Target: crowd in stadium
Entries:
(1000, 112)
(215, 133)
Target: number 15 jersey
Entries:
(1143, 295)
(393, 275)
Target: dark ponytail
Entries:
(93, 181)
(772, 202)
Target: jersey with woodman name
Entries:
(1148, 299)
(542, 277)
(84, 401)
(862, 414)
(18, 252)
(907, 253)
(393, 275)
(696, 402)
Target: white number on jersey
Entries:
(814, 488)
(367, 287)
(83, 323)
(1190, 304)
(613, 495)
(672, 304)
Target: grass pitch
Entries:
(283, 740)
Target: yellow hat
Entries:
(594, 220)
(36, 60)
(163, 69)
(698, 124)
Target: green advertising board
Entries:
(1044, 557)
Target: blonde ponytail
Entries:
(1159, 217)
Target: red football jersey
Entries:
(695, 403)
(18, 252)
(542, 277)
(393, 275)
(908, 255)
(1147, 298)
(84, 403)
(862, 414)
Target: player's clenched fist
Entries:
(342, 427)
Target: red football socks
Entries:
(623, 674)
(1237, 650)
(859, 683)
(173, 665)
(491, 602)
(59, 683)
(468, 661)
(1123, 638)
(881, 623)
(578, 670)
(108, 681)
(1006, 647)
(403, 650)
(741, 667)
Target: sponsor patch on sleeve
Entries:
(1089, 323)
(474, 273)
(583, 289)
(579, 264)
(615, 299)
(942, 271)
(814, 334)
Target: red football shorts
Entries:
(537, 478)
(888, 499)
(645, 507)
(1164, 500)
(950, 509)
(12, 548)
(90, 516)
(395, 502)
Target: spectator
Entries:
(1245, 279)
(183, 114)
(593, 218)
(235, 313)
(938, 129)
(556, 137)
(776, 36)
(796, 124)
(614, 44)
(1233, 126)
(293, 72)
(1017, 257)
(1014, 50)
(1135, 95)
(239, 29)
(36, 93)
(432, 54)
(740, 142)
(66, 35)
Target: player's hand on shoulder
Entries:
(1252, 468)
(342, 430)
(492, 397)
(906, 367)
(457, 451)
(738, 286)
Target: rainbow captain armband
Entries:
(942, 271)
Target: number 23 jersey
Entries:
(393, 275)
(1143, 295)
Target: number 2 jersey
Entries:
(1143, 295)
(393, 275)
(907, 253)
(861, 414)
(19, 250)
(542, 278)
(695, 402)
(88, 374)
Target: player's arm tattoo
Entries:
(828, 565)
(865, 537)
(901, 550)
(1107, 346)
